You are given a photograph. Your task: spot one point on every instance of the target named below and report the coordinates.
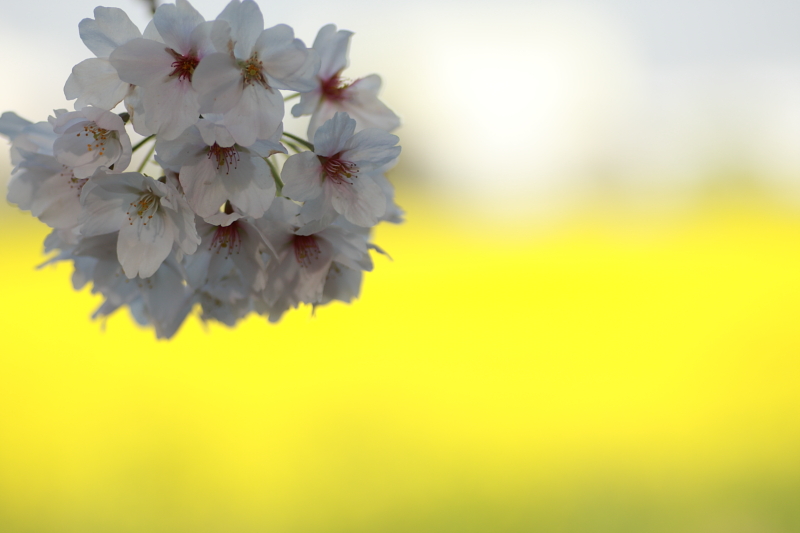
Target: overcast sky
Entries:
(538, 96)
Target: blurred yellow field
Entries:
(608, 374)
(588, 324)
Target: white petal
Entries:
(331, 137)
(332, 47)
(218, 80)
(12, 124)
(143, 245)
(110, 28)
(35, 138)
(316, 215)
(142, 62)
(312, 276)
(184, 229)
(203, 188)
(203, 37)
(197, 264)
(246, 22)
(250, 186)
(104, 119)
(350, 248)
(394, 213)
(371, 148)
(307, 104)
(175, 24)
(286, 60)
(106, 199)
(223, 219)
(256, 116)
(362, 203)
(220, 36)
(95, 82)
(213, 132)
(165, 299)
(325, 111)
(57, 202)
(99, 217)
(187, 149)
(151, 32)
(84, 156)
(268, 147)
(28, 178)
(249, 264)
(20, 192)
(302, 177)
(134, 106)
(177, 210)
(172, 107)
(368, 85)
(362, 104)
(342, 283)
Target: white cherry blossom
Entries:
(217, 304)
(39, 183)
(212, 173)
(48, 189)
(333, 93)
(335, 178)
(95, 81)
(243, 79)
(150, 216)
(163, 65)
(160, 300)
(26, 136)
(91, 139)
(232, 250)
(394, 213)
(342, 283)
(234, 224)
(298, 272)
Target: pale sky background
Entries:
(518, 108)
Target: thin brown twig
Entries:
(152, 4)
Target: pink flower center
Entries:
(183, 65)
(338, 170)
(253, 72)
(98, 135)
(227, 237)
(334, 88)
(146, 206)
(74, 183)
(225, 156)
(306, 249)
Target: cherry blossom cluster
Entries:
(241, 217)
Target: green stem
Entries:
(147, 158)
(290, 97)
(141, 143)
(275, 176)
(293, 146)
(300, 140)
